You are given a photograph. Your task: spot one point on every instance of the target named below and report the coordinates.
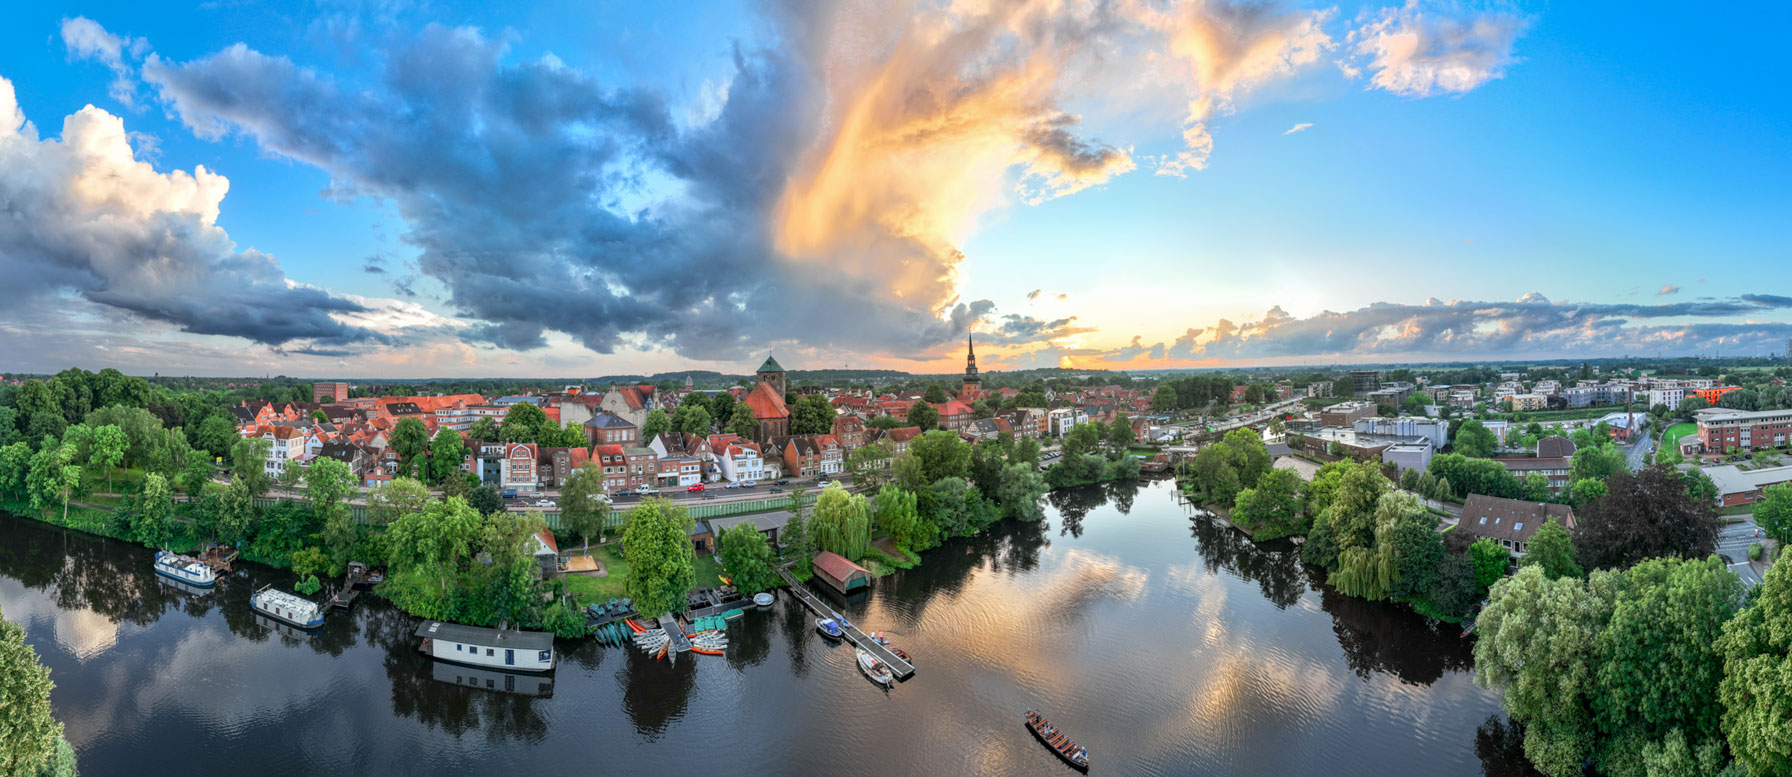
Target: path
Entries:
(1732, 543)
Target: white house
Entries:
(287, 447)
(741, 461)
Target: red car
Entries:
(695, 488)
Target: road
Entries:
(1732, 543)
(1235, 422)
(1639, 452)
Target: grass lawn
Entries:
(1670, 439)
(1545, 416)
(615, 585)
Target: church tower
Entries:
(772, 374)
(973, 384)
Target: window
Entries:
(488, 651)
(457, 647)
(1518, 526)
(1483, 520)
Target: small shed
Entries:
(840, 574)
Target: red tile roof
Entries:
(837, 567)
(765, 402)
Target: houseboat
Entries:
(514, 651)
(186, 569)
(287, 608)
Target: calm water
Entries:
(1167, 643)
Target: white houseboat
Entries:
(515, 651)
(287, 608)
(186, 569)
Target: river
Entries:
(1164, 641)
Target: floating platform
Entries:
(897, 664)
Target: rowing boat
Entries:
(1074, 754)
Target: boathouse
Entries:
(840, 574)
(516, 651)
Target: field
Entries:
(1545, 416)
(1671, 437)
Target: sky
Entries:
(442, 189)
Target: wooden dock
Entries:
(344, 598)
(680, 642)
(902, 668)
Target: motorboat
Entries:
(1074, 754)
(875, 669)
(186, 569)
(830, 628)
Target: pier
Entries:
(680, 642)
(901, 668)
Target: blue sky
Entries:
(576, 189)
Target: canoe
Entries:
(706, 652)
(1059, 742)
(875, 669)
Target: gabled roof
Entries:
(837, 567)
(765, 402)
(1511, 519)
(770, 365)
(903, 433)
(1555, 447)
(609, 420)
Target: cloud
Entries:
(86, 216)
(1668, 289)
(87, 40)
(1298, 127)
(1530, 325)
(1018, 329)
(1229, 48)
(1033, 295)
(1418, 54)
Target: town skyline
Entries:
(1179, 186)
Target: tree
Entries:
(1475, 440)
(31, 734)
(923, 415)
(1756, 690)
(869, 465)
(235, 513)
(721, 406)
(1597, 462)
(1774, 513)
(657, 423)
(1646, 515)
(1020, 492)
(441, 536)
(486, 499)
(196, 473)
(1272, 509)
(1552, 549)
(216, 434)
(53, 476)
(812, 414)
(523, 422)
(1409, 479)
(1083, 438)
(1536, 487)
(951, 509)
(842, 523)
(1581, 492)
(693, 418)
(447, 452)
(894, 513)
(748, 558)
(1163, 400)
(15, 467)
(485, 429)
(1026, 451)
(934, 394)
(154, 524)
(795, 535)
(1120, 432)
(940, 454)
(248, 460)
(328, 482)
(410, 438)
(109, 445)
(662, 563)
(1491, 561)
(1418, 553)
(742, 423)
(583, 507)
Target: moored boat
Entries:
(875, 669)
(1074, 754)
(507, 650)
(287, 608)
(829, 628)
(186, 569)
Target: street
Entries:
(1732, 543)
(1639, 452)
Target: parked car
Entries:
(647, 491)
(775, 490)
(784, 482)
(823, 483)
(709, 496)
(694, 489)
(749, 484)
(732, 484)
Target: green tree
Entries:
(447, 452)
(895, 514)
(196, 472)
(1536, 487)
(1026, 451)
(870, 464)
(1774, 513)
(951, 507)
(216, 434)
(402, 496)
(340, 537)
(1491, 561)
(53, 476)
(1597, 462)
(662, 562)
(1582, 492)
(934, 394)
(15, 467)
(1756, 690)
(693, 418)
(410, 438)
(235, 516)
(1272, 509)
(1539, 644)
(812, 414)
(109, 446)
(1020, 493)
(748, 558)
(441, 537)
(1475, 440)
(486, 499)
(29, 734)
(657, 423)
(923, 415)
(1083, 438)
(154, 524)
(328, 482)
(583, 507)
(796, 537)
(248, 460)
(1418, 553)
(1120, 432)
(485, 429)
(523, 422)
(1163, 400)
(742, 423)
(940, 454)
(841, 523)
(1552, 549)
(722, 406)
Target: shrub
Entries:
(1754, 551)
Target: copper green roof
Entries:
(770, 365)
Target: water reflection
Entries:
(1500, 746)
(456, 708)
(656, 691)
(1274, 566)
(1392, 639)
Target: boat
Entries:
(875, 669)
(186, 569)
(829, 628)
(1074, 754)
(287, 608)
(882, 640)
(763, 599)
(505, 650)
